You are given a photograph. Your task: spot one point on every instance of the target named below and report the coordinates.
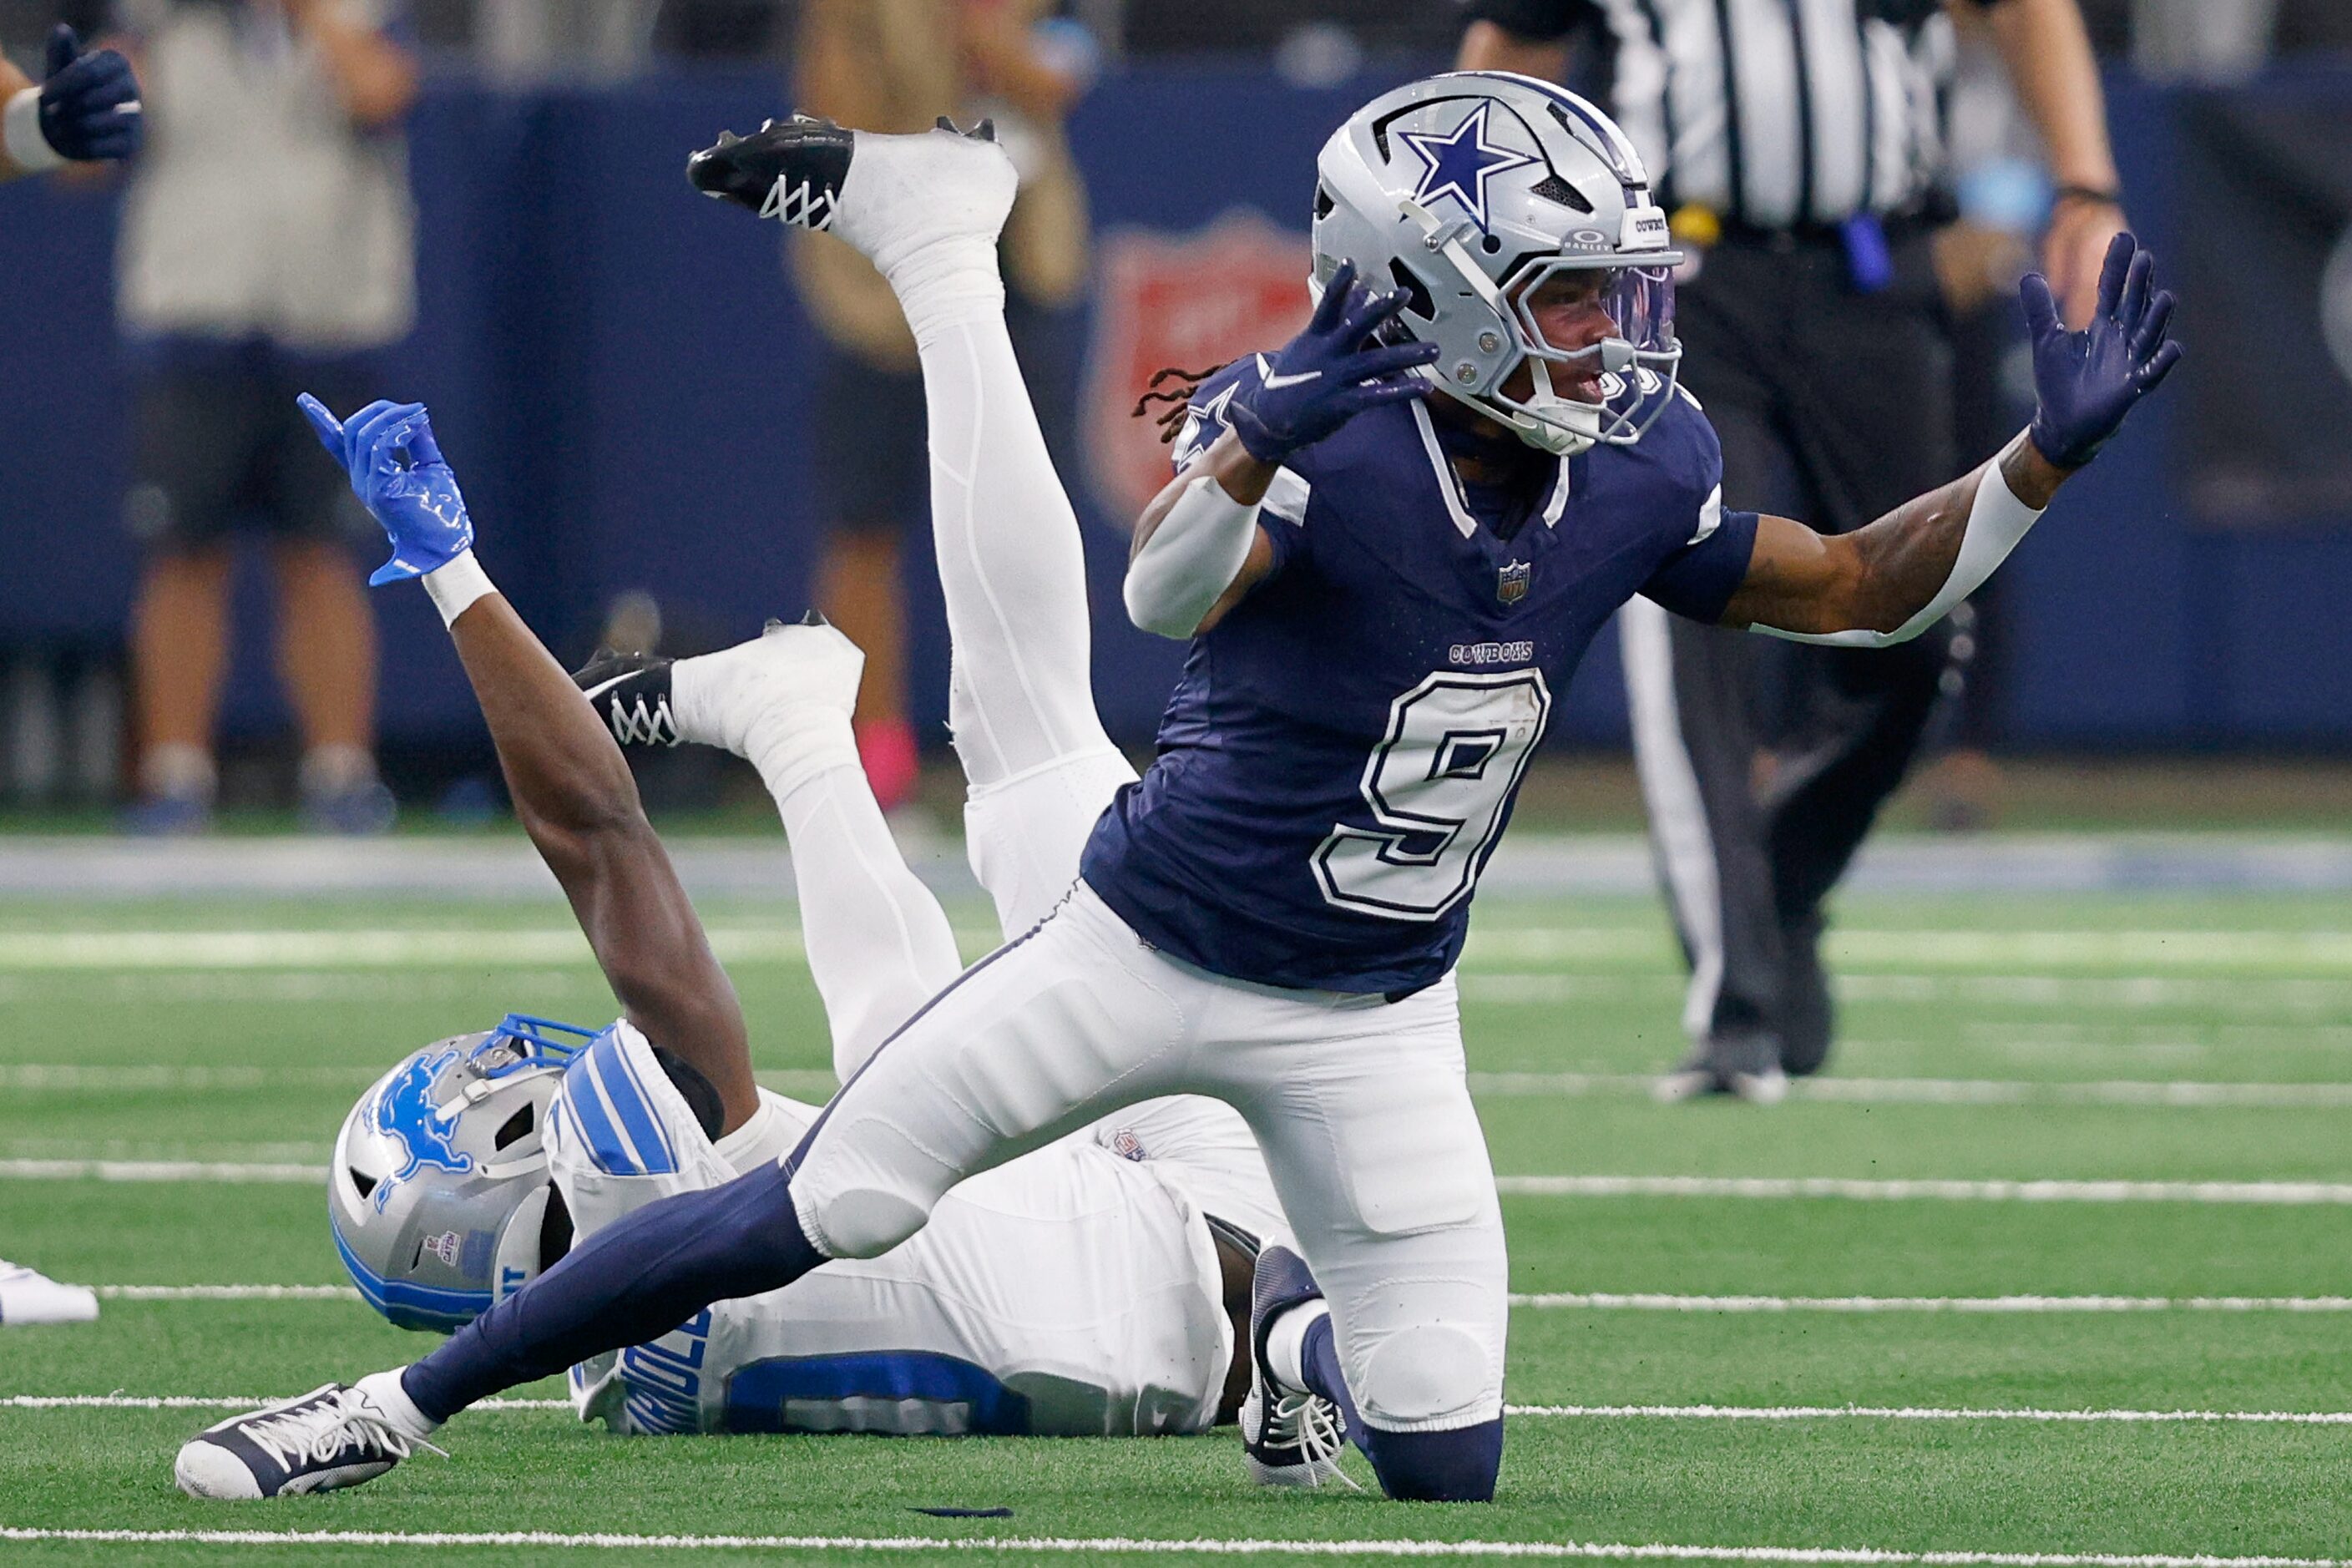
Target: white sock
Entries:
(878, 944)
(176, 771)
(382, 1390)
(334, 769)
(763, 1140)
(1286, 1343)
(1011, 568)
(948, 284)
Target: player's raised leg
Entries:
(1011, 566)
(878, 944)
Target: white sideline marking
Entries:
(2292, 1193)
(1866, 1556)
(1650, 1301)
(2033, 1192)
(1956, 1091)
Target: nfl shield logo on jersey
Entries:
(1193, 302)
(1511, 582)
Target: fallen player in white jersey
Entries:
(1097, 1285)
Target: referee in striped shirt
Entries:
(1797, 145)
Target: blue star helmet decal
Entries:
(1459, 162)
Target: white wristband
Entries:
(454, 586)
(1996, 520)
(20, 132)
(1190, 560)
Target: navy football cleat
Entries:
(790, 170)
(1290, 1437)
(630, 692)
(323, 1440)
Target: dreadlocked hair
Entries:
(1183, 385)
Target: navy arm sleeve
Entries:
(1698, 580)
(1711, 546)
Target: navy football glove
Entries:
(2088, 380)
(398, 474)
(89, 103)
(1326, 375)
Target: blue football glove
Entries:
(2088, 380)
(1327, 375)
(398, 474)
(89, 103)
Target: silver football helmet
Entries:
(1485, 196)
(439, 1191)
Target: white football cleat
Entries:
(330, 1437)
(29, 1296)
(783, 700)
(1291, 1437)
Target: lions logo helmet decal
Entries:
(404, 1112)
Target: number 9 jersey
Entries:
(1341, 753)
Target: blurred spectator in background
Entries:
(267, 247)
(897, 65)
(84, 109)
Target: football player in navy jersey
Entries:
(1383, 600)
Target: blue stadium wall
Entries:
(623, 379)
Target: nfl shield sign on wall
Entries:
(1194, 301)
(1511, 582)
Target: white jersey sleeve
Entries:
(1071, 1292)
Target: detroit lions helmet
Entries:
(439, 1191)
(1473, 191)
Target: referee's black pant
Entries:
(1834, 406)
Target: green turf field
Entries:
(1883, 1275)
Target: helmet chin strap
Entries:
(1564, 426)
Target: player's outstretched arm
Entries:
(1894, 579)
(86, 108)
(1198, 547)
(571, 788)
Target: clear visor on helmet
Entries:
(1598, 340)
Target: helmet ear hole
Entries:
(1324, 201)
(361, 1180)
(1417, 300)
(515, 1129)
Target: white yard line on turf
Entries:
(2289, 1194)
(225, 1292)
(2027, 1192)
(1648, 1301)
(1956, 1091)
(211, 1402)
(110, 1078)
(1532, 1412)
(1548, 1301)
(1860, 1556)
(2261, 953)
(1917, 1413)
(66, 1078)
